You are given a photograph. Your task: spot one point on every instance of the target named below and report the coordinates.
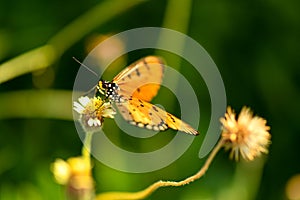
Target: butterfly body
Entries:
(133, 89)
(111, 91)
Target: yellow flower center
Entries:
(233, 137)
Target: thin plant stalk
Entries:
(149, 190)
(87, 144)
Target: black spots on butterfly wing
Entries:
(146, 64)
(177, 124)
(135, 112)
(146, 115)
(155, 67)
(171, 117)
(155, 108)
(137, 72)
(126, 114)
(156, 116)
(141, 79)
(146, 92)
(150, 67)
(147, 61)
(170, 121)
(157, 119)
(141, 103)
(129, 113)
(139, 113)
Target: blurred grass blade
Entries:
(55, 104)
(46, 55)
(30, 61)
(89, 21)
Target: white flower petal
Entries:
(90, 122)
(84, 100)
(78, 107)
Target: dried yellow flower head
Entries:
(92, 111)
(247, 135)
(61, 171)
(75, 174)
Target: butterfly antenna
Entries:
(85, 67)
(93, 88)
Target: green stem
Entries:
(153, 187)
(87, 144)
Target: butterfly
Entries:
(133, 89)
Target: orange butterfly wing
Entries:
(146, 115)
(141, 79)
(137, 85)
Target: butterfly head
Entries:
(101, 87)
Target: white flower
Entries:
(92, 111)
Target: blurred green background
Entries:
(255, 45)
